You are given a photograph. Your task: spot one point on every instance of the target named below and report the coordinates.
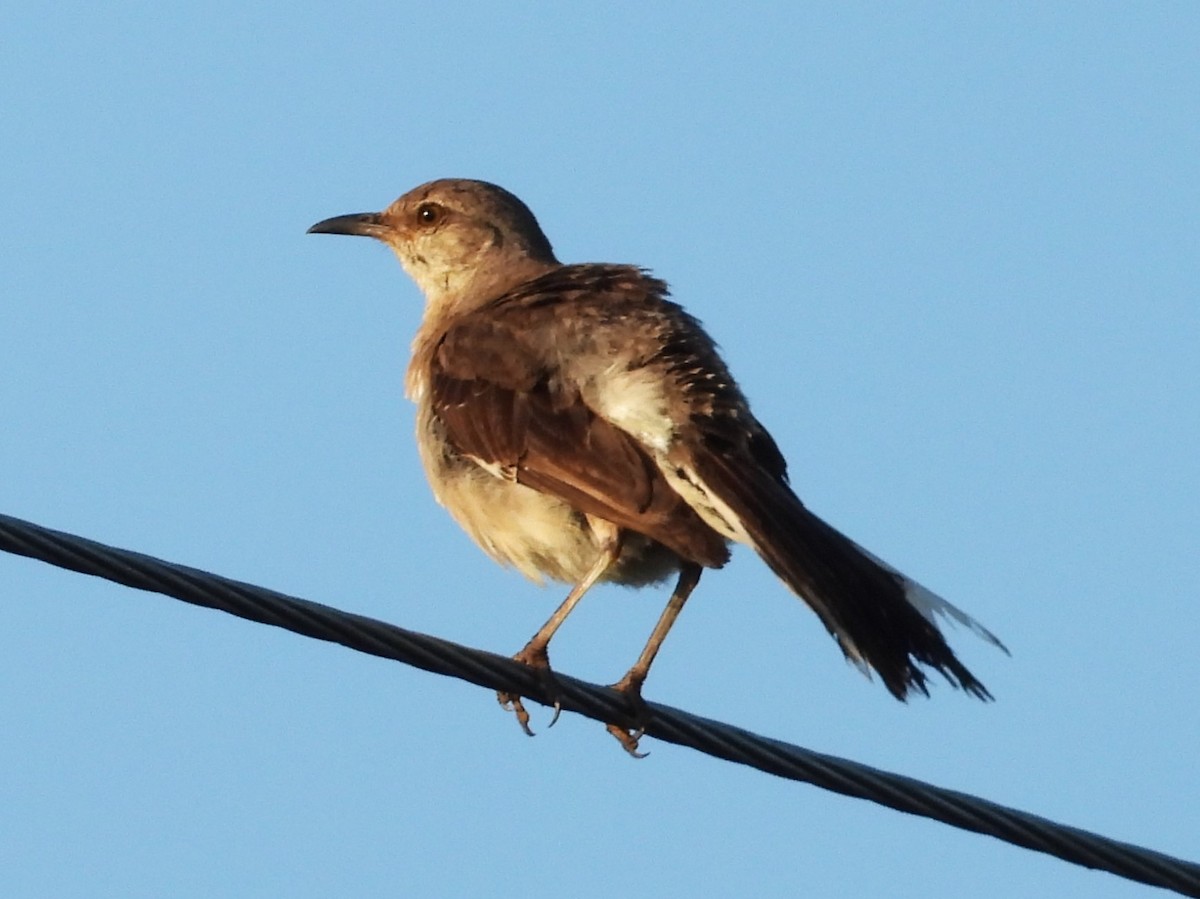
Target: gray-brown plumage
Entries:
(581, 426)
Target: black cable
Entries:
(600, 703)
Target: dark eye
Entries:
(429, 213)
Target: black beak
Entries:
(363, 224)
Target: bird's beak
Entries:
(363, 224)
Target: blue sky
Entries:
(951, 251)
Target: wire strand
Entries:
(496, 672)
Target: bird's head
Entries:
(464, 242)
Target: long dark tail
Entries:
(863, 604)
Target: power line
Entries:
(496, 672)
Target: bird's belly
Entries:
(539, 535)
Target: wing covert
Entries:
(503, 405)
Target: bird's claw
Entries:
(631, 688)
(628, 739)
(511, 702)
(538, 659)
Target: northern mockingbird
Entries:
(581, 426)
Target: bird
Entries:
(582, 427)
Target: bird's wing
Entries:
(679, 398)
(587, 384)
(504, 402)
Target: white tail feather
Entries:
(931, 605)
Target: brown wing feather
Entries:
(500, 406)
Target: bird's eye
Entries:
(429, 213)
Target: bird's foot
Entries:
(630, 686)
(536, 657)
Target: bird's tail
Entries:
(880, 619)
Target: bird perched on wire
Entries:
(581, 426)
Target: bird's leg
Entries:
(631, 684)
(535, 653)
